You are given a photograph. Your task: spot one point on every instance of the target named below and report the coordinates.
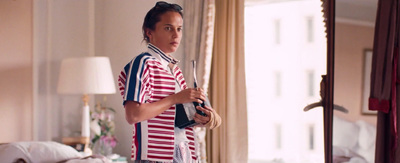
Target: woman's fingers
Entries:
(205, 111)
(191, 95)
(201, 119)
(197, 95)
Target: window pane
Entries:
(277, 31)
(281, 79)
(310, 29)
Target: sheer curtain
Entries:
(198, 31)
(228, 143)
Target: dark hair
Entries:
(153, 16)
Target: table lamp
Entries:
(84, 76)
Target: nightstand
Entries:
(81, 144)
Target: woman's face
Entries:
(168, 32)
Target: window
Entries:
(280, 80)
(311, 137)
(278, 84)
(278, 136)
(277, 31)
(310, 83)
(310, 29)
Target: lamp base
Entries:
(85, 121)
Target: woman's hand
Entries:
(203, 119)
(212, 120)
(189, 95)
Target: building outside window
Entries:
(281, 62)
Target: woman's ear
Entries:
(148, 34)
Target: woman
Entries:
(152, 84)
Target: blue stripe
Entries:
(134, 75)
(162, 54)
(139, 139)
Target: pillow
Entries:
(343, 151)
(367, 135)
(43, 152)
(366, 140)
(11, 152)
(345, 133)
(51, 152)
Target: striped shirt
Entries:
(147, 79)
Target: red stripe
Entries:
(163, 92)
(160, 157)
(182, 82)
(190, 138)
(161, 152)
(161, 71)
(162, 132)
(164, 118)
(165, 82)
(123, 74)
(160, 137)
(135, 141)
(162, 142)
(164, 87)
(161, 147)
(121, 79)
(161, 77)
(169, 112)
(162, 122)
(161, 127)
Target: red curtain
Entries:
(385, 90)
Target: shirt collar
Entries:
(165, 59)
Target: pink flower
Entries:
(109, 140)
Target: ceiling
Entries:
(358, 10)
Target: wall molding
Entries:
(354, 22)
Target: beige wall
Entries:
(350, 42)
(63, 29)
(119, 36)
(16, 70)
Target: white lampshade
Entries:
(86, 75)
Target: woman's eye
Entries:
(167, 28)
(179, 29)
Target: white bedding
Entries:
(44, 152)
(353, 142)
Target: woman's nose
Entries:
(175, 33)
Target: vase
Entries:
(102, 148)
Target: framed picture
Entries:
(367, 82)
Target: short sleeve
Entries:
(134, 80)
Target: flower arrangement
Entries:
(102, 126)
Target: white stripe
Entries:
(144, 131)
(139, 79)
(128, 77)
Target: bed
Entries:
(45, 152)
(353, 142)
